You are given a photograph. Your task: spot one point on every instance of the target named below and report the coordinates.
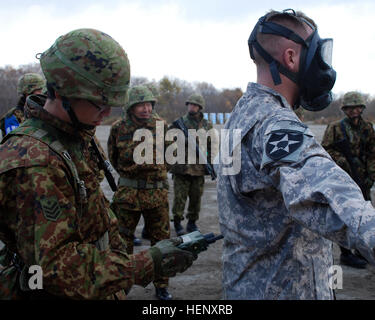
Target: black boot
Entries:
(178, 227)
(191, 226)
(351, 260)
(145, 235)
(163, 294)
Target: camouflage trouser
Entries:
(187, 186)
(156, 224)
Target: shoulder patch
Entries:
(283, 141)
(51, 208)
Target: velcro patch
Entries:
(281, 144)
(284, 140)
(51, 208)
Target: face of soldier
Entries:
(193, 108)
(353, 112)
(89, 112)
(142, 110)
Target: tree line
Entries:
(171, 94)
(333, 112)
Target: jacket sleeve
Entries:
(322, 197)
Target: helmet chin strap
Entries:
(354, 119)
(73, 118)
(139, 120)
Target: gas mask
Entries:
(316, 76)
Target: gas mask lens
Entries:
(326, 47)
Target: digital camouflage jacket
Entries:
(280, 213)
(49, 221)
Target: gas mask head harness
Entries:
(315, 77)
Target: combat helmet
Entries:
(196, 99)
(87, 64)
(353, 98)
(29, 82)
(139, 94)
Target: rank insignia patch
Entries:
(51, 208)
(281, 144)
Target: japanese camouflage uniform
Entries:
(188, 179)
(142, 188)
(361, 143)
(280, 213)
(54, 214)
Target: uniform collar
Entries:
(151, 123)
(259, 87)
(350, 123)
(197, 118)
(37, 111)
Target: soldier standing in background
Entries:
(29, 83)
(351, 144)
(143, 188)
(53, 212)
(188, 179)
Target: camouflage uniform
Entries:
(361, 144)
(132, 199)
(280, 213)
(53, 227)
(53, 212)
(188, 179)
(27, 84)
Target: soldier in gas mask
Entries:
(281, 212)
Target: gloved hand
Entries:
(168, 259)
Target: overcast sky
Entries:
(193, 40)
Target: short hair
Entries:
(297, 22)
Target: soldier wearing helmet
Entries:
(188, 179)
(143, 187)
(351, 144)
(29, 83)
(53, 212)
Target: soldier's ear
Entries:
(291, 59)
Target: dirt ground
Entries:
(203, 280)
